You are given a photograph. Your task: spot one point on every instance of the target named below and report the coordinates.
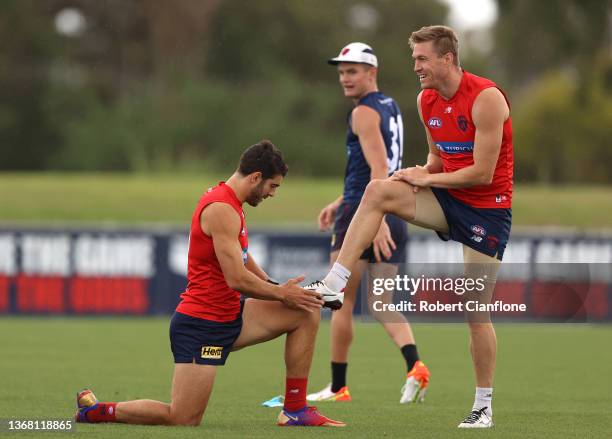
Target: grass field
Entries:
(552, 381)
(60, 198)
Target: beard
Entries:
(256, 195)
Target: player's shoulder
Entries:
(478, 81)
(474, 86)
(491, 103)
(427, 97)
(220, 216)
(363, 112)
(376, 105)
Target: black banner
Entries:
(142, 271)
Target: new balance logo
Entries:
(213, 352)
(293, 418)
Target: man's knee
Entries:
(311, 319)
(480, 324)
(391, 197)
(186, 419)
(374, 192)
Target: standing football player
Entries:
(463, 192)
(374, 145)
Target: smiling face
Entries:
(262, 189)
(431, 68)
(356, 79)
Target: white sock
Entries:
(337, 277)
(484, 398)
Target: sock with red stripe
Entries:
(104, 412)
(295, 394)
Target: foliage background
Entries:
(184, 86)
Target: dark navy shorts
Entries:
(484, 230)
(194, 340)
(397, 226)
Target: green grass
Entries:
(552, 380)
(59, 198)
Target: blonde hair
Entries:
(444, 40)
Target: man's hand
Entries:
(328, 215)
(383, 242)
(297, 297)
(418, 176)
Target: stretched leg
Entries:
(388, 196)
(191, 388)
(265, 320)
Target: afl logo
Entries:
(435, 122)
(479, 230)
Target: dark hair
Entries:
(262, 157)
(444, 40)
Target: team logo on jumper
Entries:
(435, 122)
(479, 230)
(212, 352)
(463, 123)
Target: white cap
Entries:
(356, 52)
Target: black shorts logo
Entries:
(213, 352)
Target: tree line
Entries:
(147, 85)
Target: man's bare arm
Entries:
(254, 268)
(221, 222)
(366, 124)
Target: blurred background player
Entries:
(213, 318)
(463, 192)
(374, 151)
